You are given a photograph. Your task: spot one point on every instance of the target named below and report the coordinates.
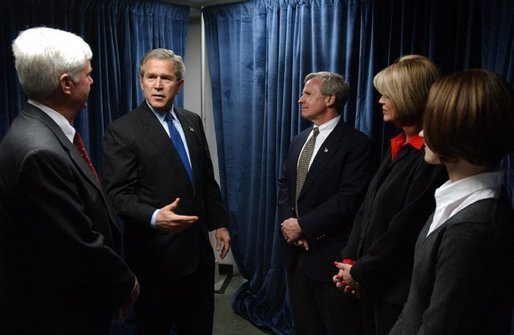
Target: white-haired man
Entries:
(59, 273)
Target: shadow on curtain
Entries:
(498, 55)
(119, 33)
(260, 50)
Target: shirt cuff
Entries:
(153, 221)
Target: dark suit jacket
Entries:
(398, 202)
(463, 279)
(143, 172)
(59, 273)
(332, 192)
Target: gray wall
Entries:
(197, 96)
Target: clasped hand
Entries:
(344, 281)
(292, 233)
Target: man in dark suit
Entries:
(59, 273)
(326, 173)
(160, 178)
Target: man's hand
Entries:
(168, 221)
(291, 230)
(302, 243)
(123, 311)
(222, 241)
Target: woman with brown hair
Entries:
(463, 277)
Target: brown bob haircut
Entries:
(470, 115)
(406, 82)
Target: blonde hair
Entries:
(407, 82)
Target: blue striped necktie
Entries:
(179, 145)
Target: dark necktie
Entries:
(303, 162)
(179, 145)
(79, 144)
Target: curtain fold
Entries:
(259, 51)
(498, 56)
(119, 33)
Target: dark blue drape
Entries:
(260, 50)
(119, 33)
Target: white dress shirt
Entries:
(324, 130)
(452, 197)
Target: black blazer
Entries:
(398, 202)
(59, 273)
(143, 172)
(332, 192)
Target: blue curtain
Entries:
(498, 55)
(119, 33)
(260, 50)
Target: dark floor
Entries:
(226, 322)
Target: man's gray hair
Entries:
(332, 83)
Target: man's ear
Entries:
(330, 100)
(65, 83)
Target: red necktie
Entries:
(79, 144)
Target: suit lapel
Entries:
(295, 155)
(326, 151)
(73, 153)
(158, 136)
(75, 156)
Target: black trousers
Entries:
(320, 308)
(379, 317)
(187, 302)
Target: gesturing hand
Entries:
(168, 221)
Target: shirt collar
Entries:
(452, 197)
(58, 118)
(160, 115)
(400, 141)
(329, 125)
(451, 192)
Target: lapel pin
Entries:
(191, 129)
(326, 149)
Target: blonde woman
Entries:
(378, 257)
